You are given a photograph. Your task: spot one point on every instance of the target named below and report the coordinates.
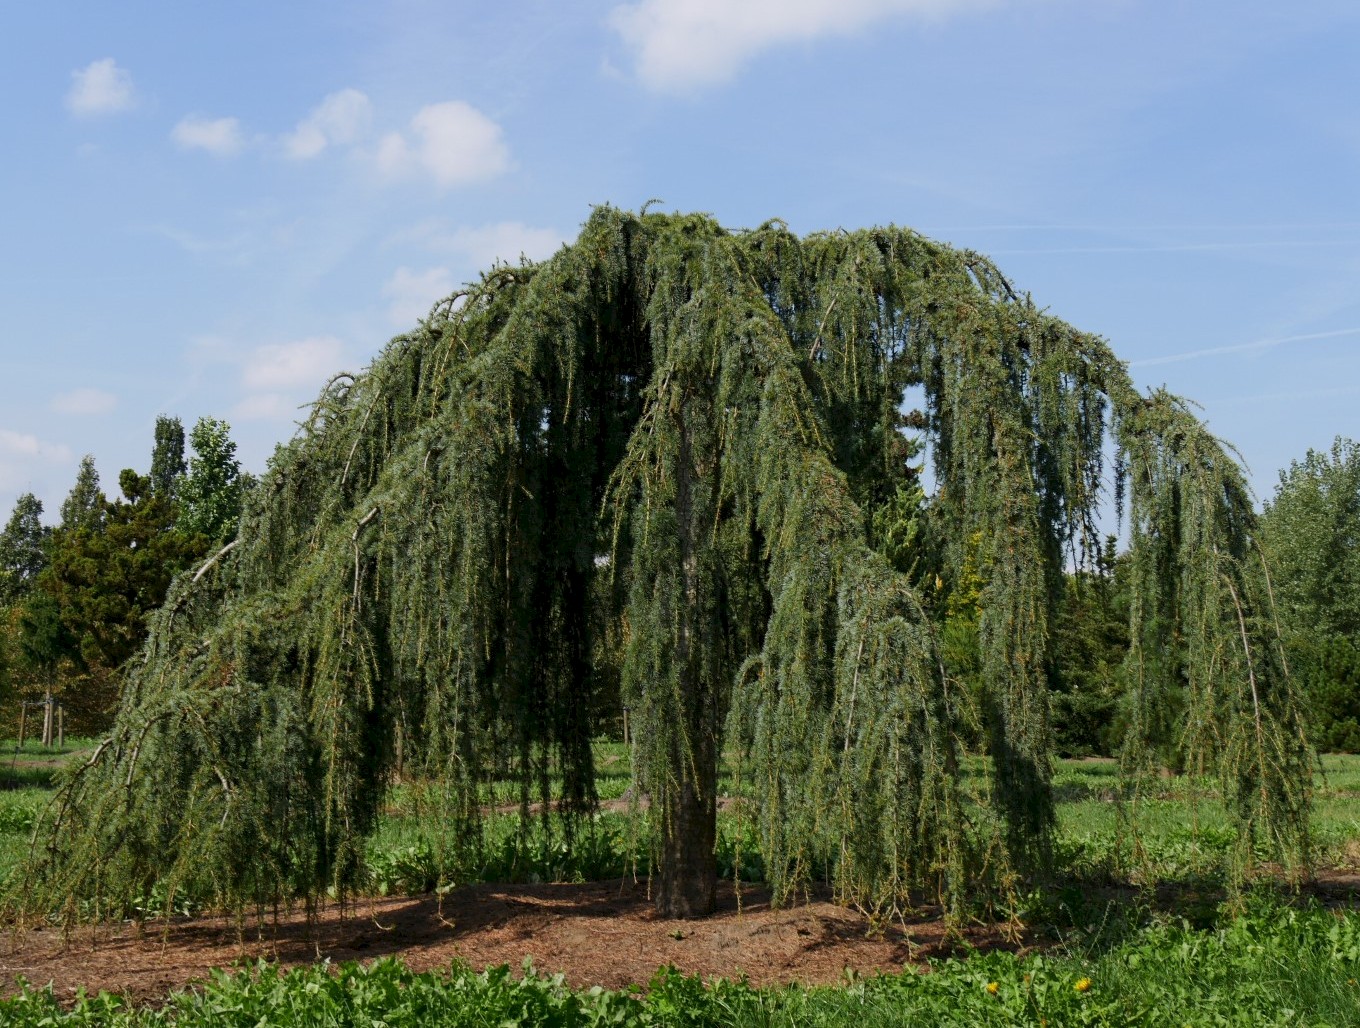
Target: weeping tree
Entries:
(677, 443)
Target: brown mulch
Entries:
(598, 933)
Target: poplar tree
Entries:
(680, 437)
(1311, 530)
(167, 457)
(210, 490)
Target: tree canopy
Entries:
(106, 580)
(84, 504)
(23, 549)
(683, 444)
(167, 457)
(80, 593)
(210, 491)
(1311, 529)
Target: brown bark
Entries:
(687, 878)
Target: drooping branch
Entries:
(718, 414)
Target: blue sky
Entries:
(209, 209)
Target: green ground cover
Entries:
(1274, 965)
(1277, 964)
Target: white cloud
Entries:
(101, 87)
(82, 402)
(679, 44)
(29, 463)
(341, 118)
(413, 293)
(267, 407)
(504, 241)
(23, 444)
(452, 142)
(303, 363)
(477, 247)
(219, 136)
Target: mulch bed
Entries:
(597, 933)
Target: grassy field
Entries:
(1135, 962)
(1184, 832)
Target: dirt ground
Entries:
(600, 933)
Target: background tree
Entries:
(210, 493)
(42, 643)
(7, 637)
(84, 505)
(105, 582)
(23, 549)
(1311, 529)
(41, 663)
(1091, 641)
(167, 457)
(108, 564)
(719, 414)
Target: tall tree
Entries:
(718, 414)
(167, 457)
(23, 549)
(105, 582)
(210, 493)
(1311, 529)
(84, 505)
(1090, 645)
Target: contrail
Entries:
(1178, 247)
(1260, 344)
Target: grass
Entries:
(1184, 832)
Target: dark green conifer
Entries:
(84, 504)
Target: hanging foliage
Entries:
(674, 440)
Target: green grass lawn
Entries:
(1183, 830)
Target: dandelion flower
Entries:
(993, 988)
(1082, 984)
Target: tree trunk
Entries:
(687, 879)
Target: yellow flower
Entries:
(993, 988)
(1082, 984)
